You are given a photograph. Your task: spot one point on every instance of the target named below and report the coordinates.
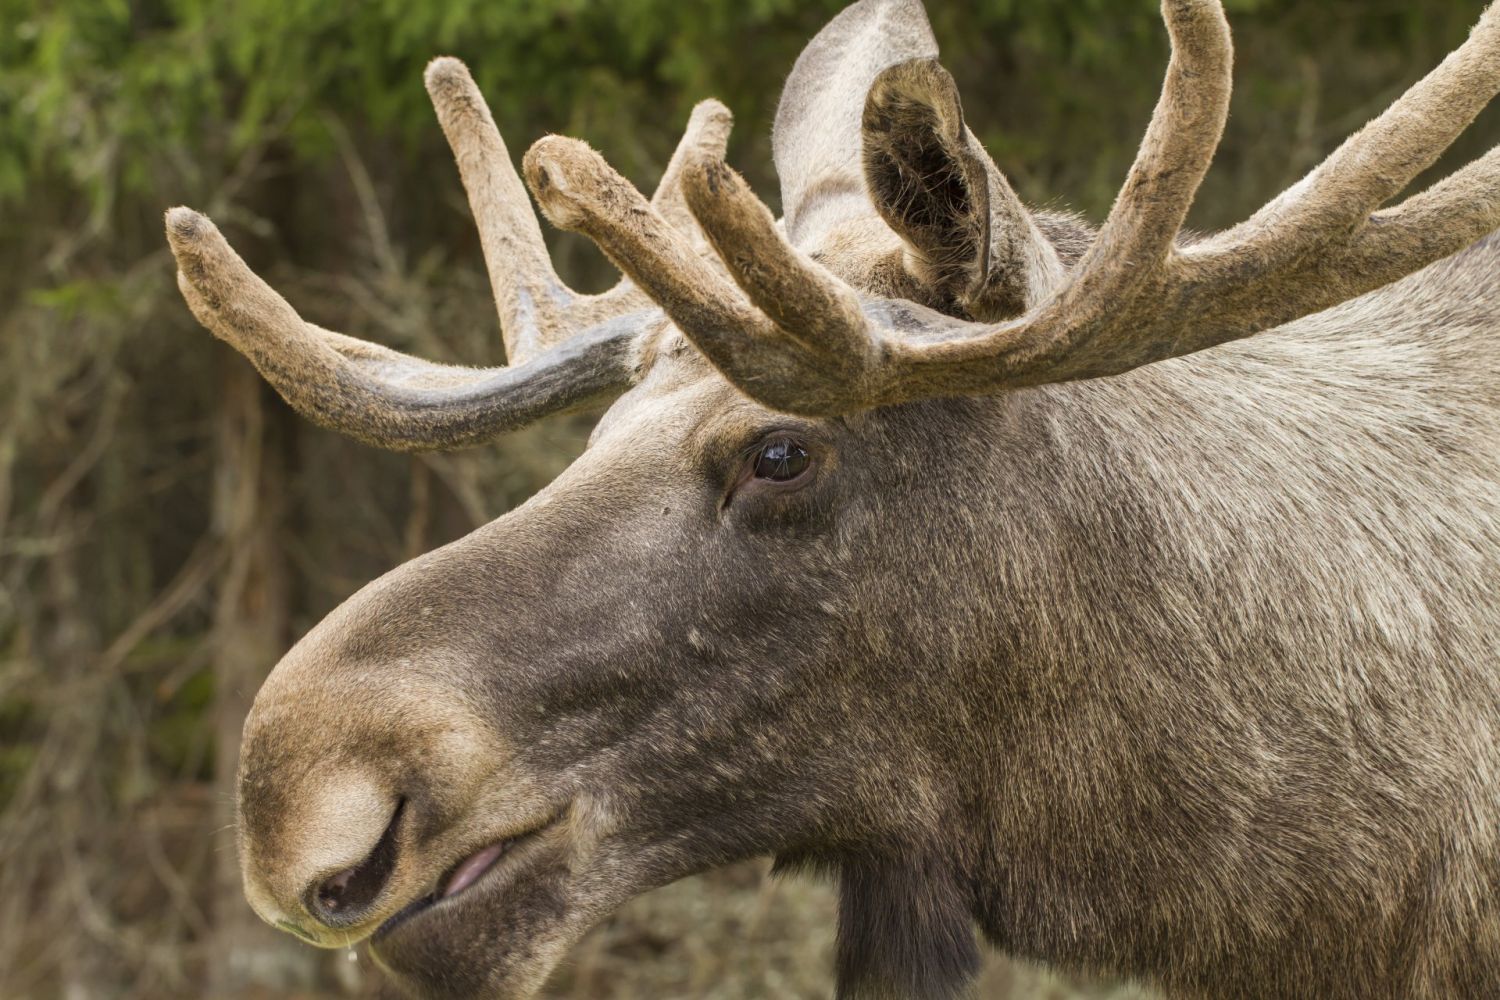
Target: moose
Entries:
(1126, 598)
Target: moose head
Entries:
(907, 552)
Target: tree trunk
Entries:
(250, 634)
(74, 799)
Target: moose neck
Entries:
(1139, 730)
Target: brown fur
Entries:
(1188, 674)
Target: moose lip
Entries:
(461, 877)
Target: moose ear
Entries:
(816, 138)
(927, 177)
(969, 240)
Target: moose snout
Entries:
(323, 857)
(347, 897)
(357, 772)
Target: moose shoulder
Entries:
(925, 543)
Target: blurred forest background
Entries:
(167, 527)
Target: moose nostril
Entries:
(344, 898)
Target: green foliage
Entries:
(104, 94)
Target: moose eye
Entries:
(781, 461)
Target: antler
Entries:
(536, 309)
(379, 396)
(566, 350)
(807, 363)
(798, 339)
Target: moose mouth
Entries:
(467, 873)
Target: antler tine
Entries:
(709, 124)
(1262, 274)
(707, 130)
(1431, 225)
(806, 302)
(1374, 164)
(380, 396)
(1175, 154)
(808, 340)
(1436, 223)
(536, 309)
(532, 301)
(578, 190)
